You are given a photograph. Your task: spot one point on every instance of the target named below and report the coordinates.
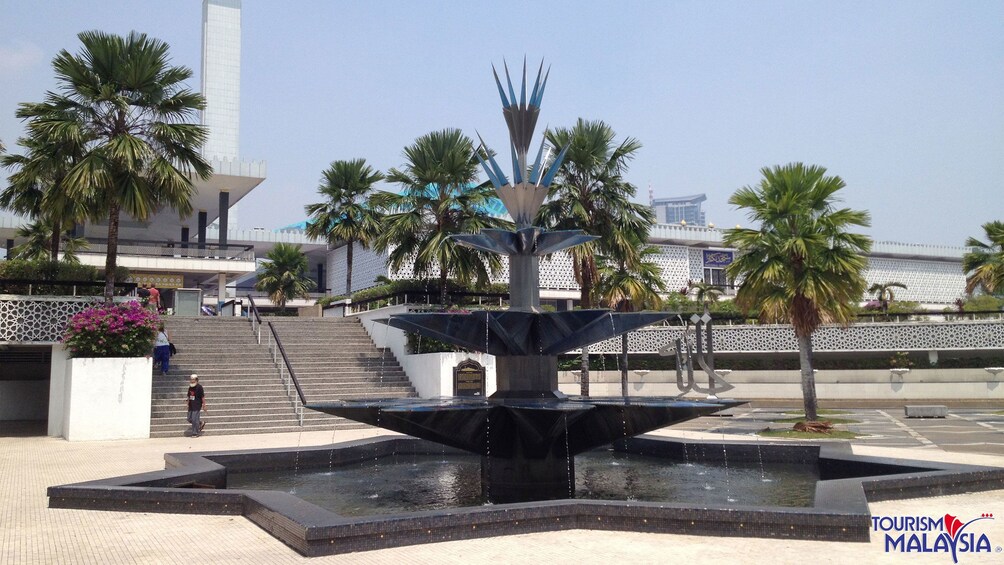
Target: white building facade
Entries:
(932, 274)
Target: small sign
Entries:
(469, 379)
(717, 258)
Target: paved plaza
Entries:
(32, 533)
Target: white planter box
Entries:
(107, 398)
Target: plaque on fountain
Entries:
(469, 378)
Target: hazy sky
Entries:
(903, 100)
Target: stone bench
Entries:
(926, 411)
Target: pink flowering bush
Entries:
(112, 330)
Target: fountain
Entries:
(527, 432)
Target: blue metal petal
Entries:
(505, 101)
(488, 171)
(522, 92)
(512, 93)
(534, 101)
(535, 171)
(517, 175)
(555, 166)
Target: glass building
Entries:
(680, 209)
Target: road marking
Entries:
(913, 433)
(984, 424)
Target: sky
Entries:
(904, 100)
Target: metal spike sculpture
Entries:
(523, 196)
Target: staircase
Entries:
(332, 358)
(335, 359)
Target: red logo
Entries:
(952, 524)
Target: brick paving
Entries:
(32, 533)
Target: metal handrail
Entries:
(289, 367)
(278, 350)
(292, 375)
(255, 319)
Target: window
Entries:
(716, 277)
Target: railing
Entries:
(494, 299)
(263, 294)
(182, 250)
(286, 373)
(39, 287)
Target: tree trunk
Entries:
(808, 377)
(585, 303)
(54, 242)
(624, 365)
(442, 286)
(111, 255)
(348, 270)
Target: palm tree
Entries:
(627, 283)
(344, 215)
(36, 189)
(440, 198)
(801, 266)
(706, 293)
(884, 294)
(285, 276)
(127, 108)
(37, 245)
(589, 193)
(984, 264)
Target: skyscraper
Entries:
(680, 208)
(221, 77)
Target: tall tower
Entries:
(221, 77)
(221, 85)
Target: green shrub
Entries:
(53, 271)
(425, 287)
(983, 303)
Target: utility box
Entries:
(187, 301)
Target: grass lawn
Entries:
(801, 414)
(792, 434)
(802, 418)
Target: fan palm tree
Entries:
(345, 216)
(628, 283)
(705, 293)
(37, 244)
(801, 266)
(590, 193)
(128, 109)
(36, 189)
(285, 275)
(884, 294)
(984, 263)
(441, 197)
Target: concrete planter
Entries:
(101, 398)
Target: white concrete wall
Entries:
(57, 389)
(430, 373)
(917, 385)
(107, 398)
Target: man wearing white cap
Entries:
(196, 401)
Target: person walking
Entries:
(196, 401)
(162, 350)
(154, 298)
